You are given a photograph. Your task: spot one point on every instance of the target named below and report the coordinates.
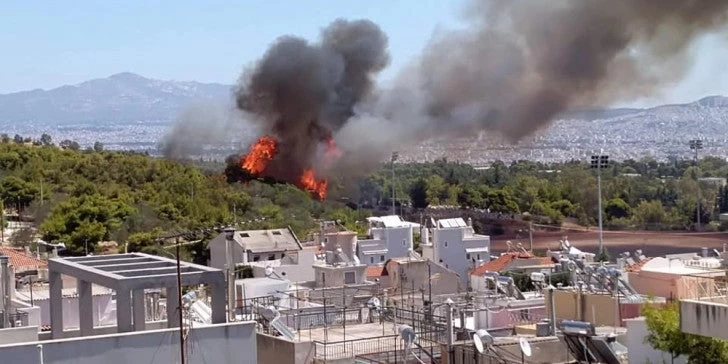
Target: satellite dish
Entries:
(374, 303)
(482, 340)
(525, 346)
(268, 271)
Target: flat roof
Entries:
(134, 270)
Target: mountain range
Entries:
(120, 97)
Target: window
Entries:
(323, 278)
(275, 232)
(445, 244)
(244, 235)
(404, 242)
(467, 256)
(271, 257)
(478, 256)
(283, 255)
(349, 277)
(256, 258)
(381, 258)
(371, 260)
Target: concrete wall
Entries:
(223, 343)
(444, 281)
(217, 252)
(704, 318)
(280, 350)
(641, 352)
(595, 308)
(70, 311)
(669, 285)
(335, 275)
(18, 335)
(302, 271)
(397, 241)
(449, 246)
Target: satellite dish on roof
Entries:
(374, 303)
(268, 271)
(482, 340)
(525, 346)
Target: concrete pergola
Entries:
(129, 275)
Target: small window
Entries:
(323, 277)
(467, 256)
(283, 274)
(403, 242)
(371, 260)
(244, 235)
(271, 257)
(349, 277)
(381, 258)
(445, 244)
(283, 255)
(275, 232)
(256, 258)
(478, 256)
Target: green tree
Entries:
(663, 325)
(46, 139)
(649, 213)
(418, 194)
(98, 147)
(617, 208)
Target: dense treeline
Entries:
(643, 194)
(83, 197)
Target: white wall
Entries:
(302, 271)
(335, 275)
(641, 352)
(449, 246)
(18, 335)
(217, 252)
(70, 311)
(223, 343)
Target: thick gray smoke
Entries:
(302, 93)
(205, 128)
(520, 63)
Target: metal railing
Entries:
(334, 350)
(16, 319)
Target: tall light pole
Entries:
(600, 162)
(696, 145)
(395, 155)
(230, 270)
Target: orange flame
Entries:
(259, 155)
(316, 187)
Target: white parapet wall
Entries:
(706, 317)
(220, 343)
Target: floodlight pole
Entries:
(395, 155)
(599, 162)
(696, 145)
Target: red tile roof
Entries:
(636, 267)
(377, 271)
(21, 260)
(502, 262)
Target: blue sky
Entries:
(51, 43)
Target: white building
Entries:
(454, 244)
(340, 267)
(254, 246)
(389, 237)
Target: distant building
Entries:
(714, 181)
(407, 275)
(454, 244)
(254, 246)
(294, 266)
(389, 237)
(22, 260)
(521, 261)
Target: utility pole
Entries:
(530, 235)
(179, 306)
(696, 145)
(600, 162)
(230, 270)
(395, 155)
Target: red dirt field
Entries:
(652, 243)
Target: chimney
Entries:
(704, 252)
(470, 222)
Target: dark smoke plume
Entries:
(303, 93)
(520, 63)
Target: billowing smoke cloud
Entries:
(518, 64)
(302, 93)
(205, 128)
(513, 68)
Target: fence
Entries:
(389, 346)
(17, 319)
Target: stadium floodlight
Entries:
(600, 162)
(696, 145)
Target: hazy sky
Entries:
(51, 43)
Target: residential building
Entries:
(340, 266)
(523, 262)
(388, 237)
(420, 275)
(296, 266)
(254, 246)
(672, 278)
(454, 244)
